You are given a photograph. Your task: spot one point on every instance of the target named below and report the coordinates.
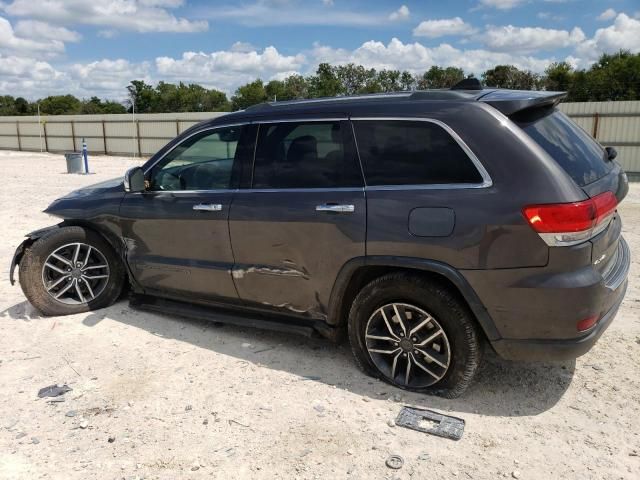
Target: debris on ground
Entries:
(394, 462)
(53, 391)
(428, 421)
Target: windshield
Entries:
(573, 148)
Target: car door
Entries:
(176, 232)
(303, 217)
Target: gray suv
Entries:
(423, 224)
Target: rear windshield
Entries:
(573, 148)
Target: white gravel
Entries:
(161, 397)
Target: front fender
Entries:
(17, 256)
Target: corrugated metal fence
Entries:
(614, 124)
(118, 134)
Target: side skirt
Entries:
(306, 328)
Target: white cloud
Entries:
(442, 27)
(107, 78)
(36, 29)
(401, 14)
(27, 77)
(291, 12)
(10, 42)
(608, 14)
(136, 15)
(501, 4)
(623, 34)
(417, 58)
(530, 39)
(226, 69)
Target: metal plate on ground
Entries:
(428, 421)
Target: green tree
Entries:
(615, 77)
(509, 76)
(143, 95)
(558, 77)
(407, 82)
(438, 77)
(296, 87)
(325, 82)
(276, 90)
(60, 105)
(250, 94)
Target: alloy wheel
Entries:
(75, 273)
(407, 345)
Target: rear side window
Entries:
(409, 152)
(305, 155)
(573, 148)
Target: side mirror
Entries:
(134, 180)
(611, 153)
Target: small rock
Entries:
(20, 435)
(84, 424)
(515, 474)
(70, 413)
(188, 408)
(365, 399)
(596, 367)
(195, 466)
(423, 456)
(111, 439)
(391, 422)
(130, 403)
(246, 345)
(205, 421)
(318, 408)
(349, 452)
(35, 440)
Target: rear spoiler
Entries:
(512, 101)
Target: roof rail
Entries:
(471, 83)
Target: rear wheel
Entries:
(414, 334)
(70, 270)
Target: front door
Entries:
(302, 219)
(176, 232)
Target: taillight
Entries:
(562, 224)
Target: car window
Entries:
(409, 152)
(573, 148)
(201, 162)
(305, 155)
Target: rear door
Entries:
(302, 219)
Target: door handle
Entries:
(328, 207)
(208, 207)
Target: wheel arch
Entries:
(357, 272)
(110, 238)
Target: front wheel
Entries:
(415, 334)
(70, 270)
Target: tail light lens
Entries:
(563, 224)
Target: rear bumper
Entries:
(543, 350)
(536, 310)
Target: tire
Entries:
(96, 290)
(375, 312)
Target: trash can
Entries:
(75, 162)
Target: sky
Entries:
(96, 47)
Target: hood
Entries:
(112, 185)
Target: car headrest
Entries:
(303, 148)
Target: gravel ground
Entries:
(161, 397)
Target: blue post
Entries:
(85, 156)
